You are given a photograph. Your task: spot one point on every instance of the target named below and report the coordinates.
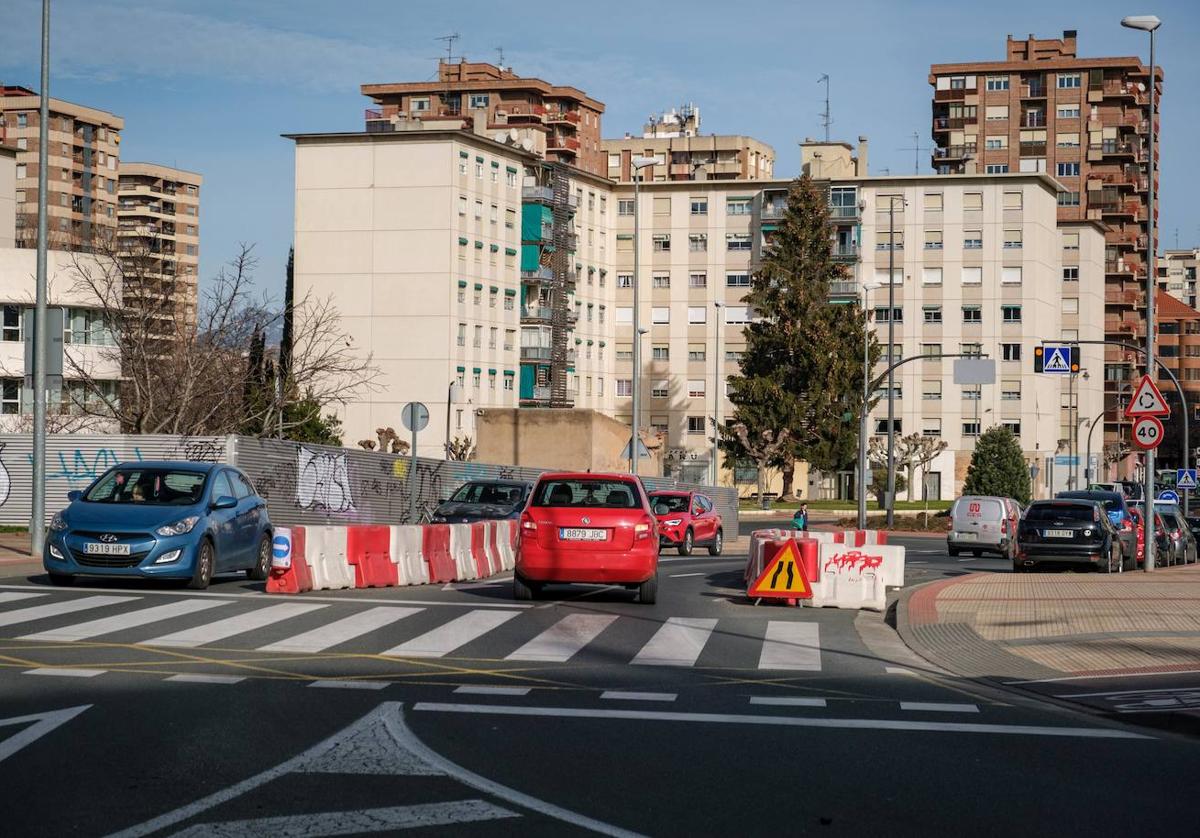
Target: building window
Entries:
(1012, 239)
(86, 326)
(972, 314)
(737, 315)
(733, 356)
(881, 314)
(1010, 314)
(695, 388)
(477, 100)
(509, 336)
(697, 242)
(884, 240)
(1013, 200)
(509, 303)
(931, 276)
(697, 315)
(12, 324)
(1068, 111)
(738, 206)
(1068, 170)
(1010, 391)
(660, 353)
(1010, 351)
(933, 239)
(973, 393)
(660, 281)
(659, 390)
(662, 242)
(697, 280)
(462, 295)
(737, 280)
(1068, 80)
(1013, 425)
(1070, 241)
(510, 180)
(699, 206)
(624, 207)
(738, 241)
(997, 82)
(478, 340)
(1010, 275)
(931, 390)
(995, 143)
(492, 332)
(881, 426)
(933, 201)
(624, 388)
(1071, 273)
(1070, 305)
(933, 314)
(10, 396)
(1066, 140)
(695, 425)
(660, 315)
(475, 381)
(1068, 199)
(624, 280)
(697, 353)
(972, 200)
(996, 168)
(462, 334)
(970, 428)
(930, 349)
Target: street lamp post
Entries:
(453, 395)
(1149, 23)
(891, 431)
(37, 523)
(636, 164)
(718, 363)
(867, 288)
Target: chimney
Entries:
(861, 165)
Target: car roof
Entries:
(181, 465)
(1066, 502)
(680, 493)
(586, 475)
(522, 483)
(1093, 494)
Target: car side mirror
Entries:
(224, 502)
(74, 495)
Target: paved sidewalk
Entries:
(1047, 625)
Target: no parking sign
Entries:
(281, 548)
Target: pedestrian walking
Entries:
(800, 518)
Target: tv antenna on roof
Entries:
(500, 59)
(449, 39)
(916, 149)
(826, 119)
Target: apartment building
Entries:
(674, 138)
(559, 122)
(8, 196)
(1179, 350)
(418, 238)
(1177, 274)
(1085, 121)
(84, 152)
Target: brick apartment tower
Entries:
(565, 121)
(1085, 122)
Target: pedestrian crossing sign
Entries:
(1185, 478)
(782, 577)
(1057, 359)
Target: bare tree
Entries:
(918, 451)
(763, 449)
(461, 448)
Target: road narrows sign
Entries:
(782, 577)
(1147, 400)
(1147, 433)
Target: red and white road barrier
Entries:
(373, 556)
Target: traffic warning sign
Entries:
(782, 577)
(1147, 400)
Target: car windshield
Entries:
(149, 486)
(1060, 512)
(615, 494)
(497, 493)
(666, 504)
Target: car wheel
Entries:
(62, 580)
(718, 544)
(262, 566)
(648, 590)
(1017, 567)
(202, 575)
(522, 590)
(953, 551)
(685, 546)
(977, 553)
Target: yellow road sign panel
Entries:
(782, 577)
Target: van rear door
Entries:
(978, 519)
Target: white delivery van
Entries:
(981, 525)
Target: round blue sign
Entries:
(1169, 496)
(281, 546)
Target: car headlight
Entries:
(168, 557)
(674, 522)
(56, 553)
(179, 527)
(58, 523)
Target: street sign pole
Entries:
(415, 417)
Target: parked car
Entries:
(1162, 539)
(483, 500)
(1131, 488)
(590, 528)
(1193, 522)
(1117, 508)
(1182, 542)
(1077, 531)
(686, 519)
(980, 524)
(161, 520)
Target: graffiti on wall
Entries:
(323, 481)
(5, 480)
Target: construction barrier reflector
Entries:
(436, 550)
(289, 570)
(368, 549)
(406, 549)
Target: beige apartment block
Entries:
(674, 138)
(416, 239)
(84, 154)
(159, 226)
(1177, 274)
(8, 196)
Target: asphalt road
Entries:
(143, 710)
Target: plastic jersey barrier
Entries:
(460, 551)
(326, 554)
(368, 549)
(406, 549)
(851, 577)
(289, 570)
(479, 552)
(436, 549)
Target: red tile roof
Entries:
(1169, 308)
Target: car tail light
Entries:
(642, 530)
(1126, 525)
(528, 524)
(1174, 533)
(1004, 526)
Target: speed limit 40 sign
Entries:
(1147, 432)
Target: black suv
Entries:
(1071, 530)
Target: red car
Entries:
(686, 519)
(591, 528)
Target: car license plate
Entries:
(1058, 533)
(95, 548)
(967, 536)
(581, 534)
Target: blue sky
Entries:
(210, 85)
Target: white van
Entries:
(981, 525)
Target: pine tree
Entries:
(802, 369)
(998, 467)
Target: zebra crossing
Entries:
(408, 631)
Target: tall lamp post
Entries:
(37, 524)
(636, 164)
(1149, 23)
(454, 394)
(867, 288)
(891, 436)
(718, 363)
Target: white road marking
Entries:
(790, 645)
(200, 678)
(65, 672)
(385, 726)
(684, 575)
(9, 597)
(43, 723)
(562, 640)
(340, 631)
(130, 619)
(472, 689)
(356, 822)
(678, 642)
(938, 707)
(779, 721)
(786, 701)
(447, 637)
(1129, 692)
(898, 670)
(907, 561)
(256, 596)
(240, 624)
(56, 609)
(470, 586)
(335, 684)
(623, 695)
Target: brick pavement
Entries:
(1041, 625)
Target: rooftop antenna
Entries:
(500, 59)
(826, 119)
(449, 39)
(916, 149)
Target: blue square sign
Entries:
(1185, 478)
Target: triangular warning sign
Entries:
(1057, 361)
(1147, 400)
(782, 577)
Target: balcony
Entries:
(569, 145)
(843, 213)
(953, 94)
(539, 394)
(1033, 149)
(1033, 120)
(1113, 148)
(537, 313)
(954, 152)
(536, 353)
(1034, 90)
(948, 123)
(1120, 297)
(543, 274)
(542, 194)
(1118, 88)
(845, 252)
(556, 116)
(844, 291)
(773, 212)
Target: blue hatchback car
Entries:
(161, 520)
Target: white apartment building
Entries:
(416, 238)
